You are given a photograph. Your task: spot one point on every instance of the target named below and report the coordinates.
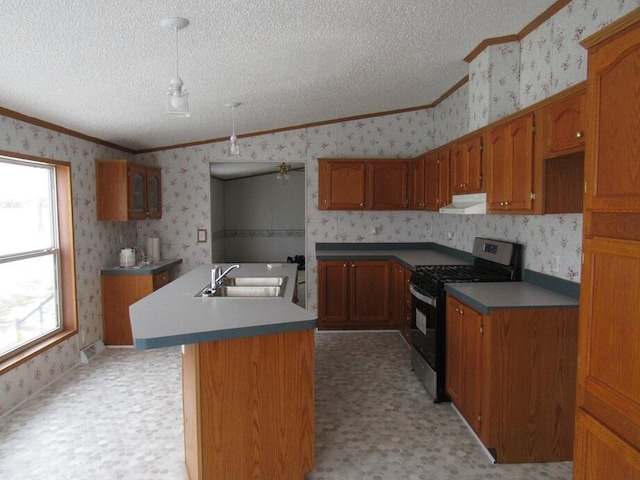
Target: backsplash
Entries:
(551, 60)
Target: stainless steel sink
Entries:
(246, 287)
(248, 291)
(254, 281)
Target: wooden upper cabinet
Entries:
(417, 191)
(388, 185)
(564, 125)
(363, 184)
(612, 167)
(466, 166)
(154, 193)
(341, 184)
(509, 169)
(437, 182)
(127, 191)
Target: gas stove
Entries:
(493, 261)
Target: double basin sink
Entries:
(246, 287)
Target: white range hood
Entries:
(471, 203)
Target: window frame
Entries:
(66, 268)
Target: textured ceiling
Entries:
(102, 67)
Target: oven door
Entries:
(423, 339)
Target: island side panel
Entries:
(254, 407)
(191, 407)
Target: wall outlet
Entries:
(555, 263)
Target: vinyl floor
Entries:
(120, 417)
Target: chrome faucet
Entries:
(217, 277)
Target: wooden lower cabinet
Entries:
(118, 293)
(401, 313)
(464, 360)
(512, 375)
(249, 407)
(354, 294)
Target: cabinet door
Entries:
(137, 192)
(466, 166)
(397, 296)
(464, 350)
(444, 177)
(510, 166)
(498, 170)
(432, 181)
(369, 293)
(564, 129)
(472, 372)
(341, 185)
(333, 294)
(388, 185)
(418, 183)
(612, 167)
(154, 193)
(455, 349)
(408, 306)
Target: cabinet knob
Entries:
(579, 134)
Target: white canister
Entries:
(127, 257)
(153, 249)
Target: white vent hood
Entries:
(471, 203)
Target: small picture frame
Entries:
(202, 235)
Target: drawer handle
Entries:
(579, 134)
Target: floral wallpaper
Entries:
(494, 84)
(551, 56)
(550, 59)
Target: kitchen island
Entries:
(248, 373)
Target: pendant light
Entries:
(177, 96)
(234, 148)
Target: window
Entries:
(37, 290)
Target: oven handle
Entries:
(428, 299)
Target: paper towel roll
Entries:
(153, 249)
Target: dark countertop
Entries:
(150, 269)
(173, 315)
(488, 296)
(409, 255)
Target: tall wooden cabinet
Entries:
(127, 191)
(608, 414)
